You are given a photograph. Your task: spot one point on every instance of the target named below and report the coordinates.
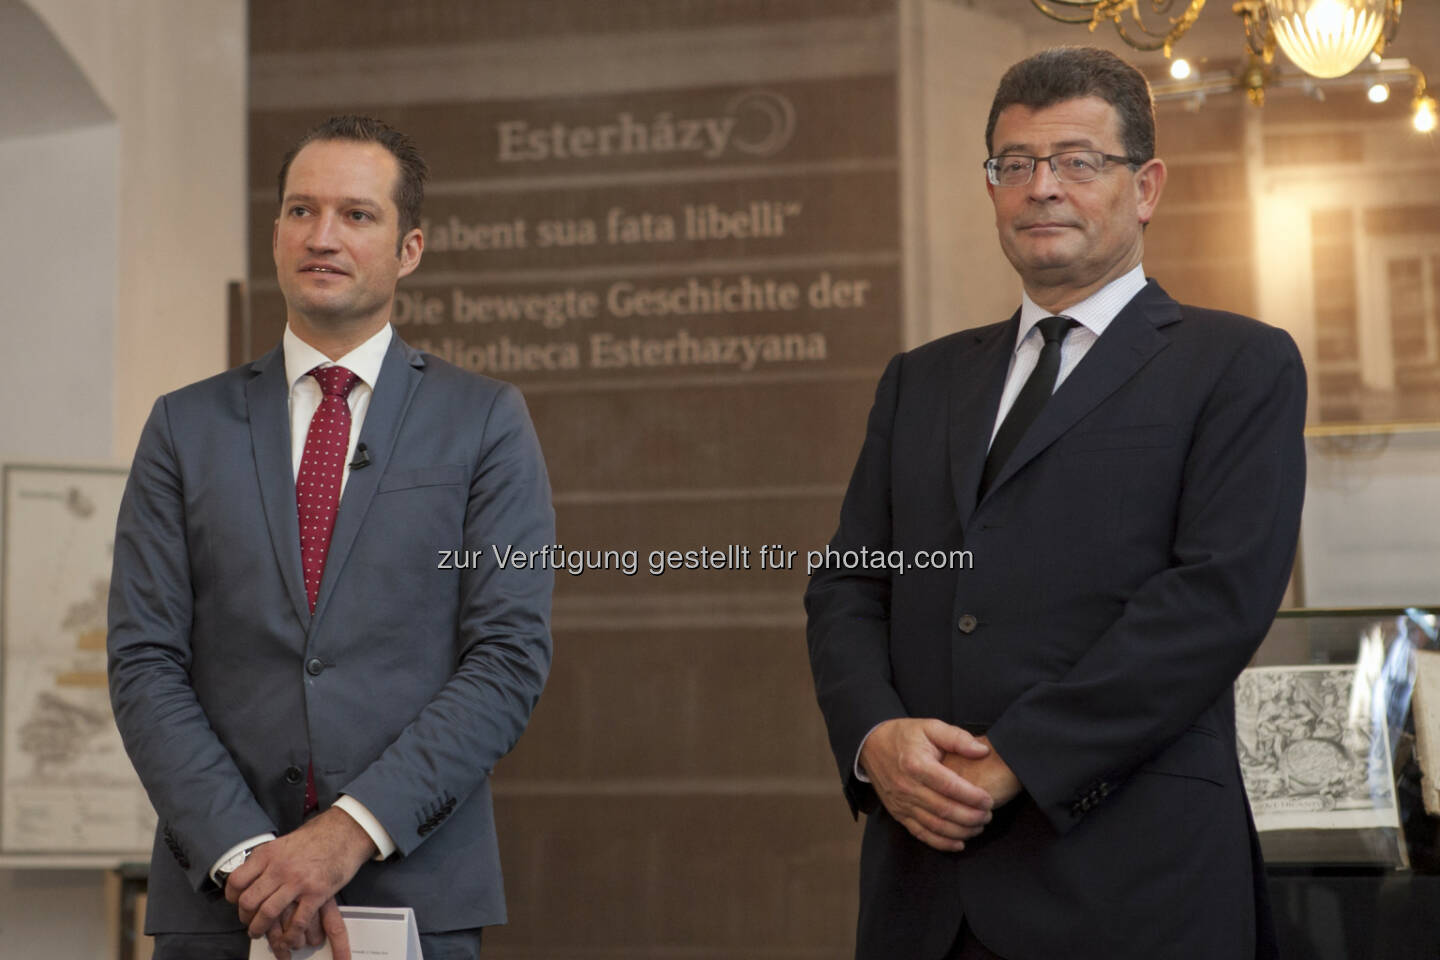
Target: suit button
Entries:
(968, 624)
(315, 666)
(294, 775)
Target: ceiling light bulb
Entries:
(1378, 92)
(1327, 38)
(1180, 68)
(1325, 17)
(1424, 119)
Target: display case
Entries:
(1326, 736)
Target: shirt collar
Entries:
(364, 361)
(1094, 312)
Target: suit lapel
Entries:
(973, 402)
(267, 400)
(400, 374)
(1126, 345)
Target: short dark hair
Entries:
(1065, 73)
(409, 186)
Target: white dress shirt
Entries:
(1093, 314)
(305, 395)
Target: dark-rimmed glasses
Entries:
(1072, 166)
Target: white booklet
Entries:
(376, 933)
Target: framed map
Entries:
(67, 790)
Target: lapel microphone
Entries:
(362, 458)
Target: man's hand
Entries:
(327, 924)
(988, 772)
(303, 870)
(940, 808)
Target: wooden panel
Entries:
(726, 877)
(669, 129)
(1332, 224)
(285, 25)
(1408, 320)
(1221, 182)
(1219, 285)
(1347, 106)
(1199, 234)
(1199, 245)
(1218, 127)
(663, 705)
(702, 436)
(705, 323)
(1313, 149)
(647, 223)
(1394, 221)
(1336, 339)
(740, 526)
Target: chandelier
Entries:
(1329, 38)
(1326, 39)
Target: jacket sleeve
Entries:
(203, 802)
(848, 611)
(1186, 633)
(452, 745)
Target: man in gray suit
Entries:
(313, 699)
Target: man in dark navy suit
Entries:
(1044, 742)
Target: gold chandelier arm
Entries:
(1160, 42)
(1085, 17)
(1259, 35)
(1114, 10)
(1392, 24)
(1163, 41)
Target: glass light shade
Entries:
(1327, 38)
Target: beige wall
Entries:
(123, 226)
(956, 275)
(57, 272)
(173, 75)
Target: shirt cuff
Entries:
(859, 770)
(254, 841)
(362, 815)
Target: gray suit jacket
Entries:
(404, 688)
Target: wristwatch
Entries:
(230, 864)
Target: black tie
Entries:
(1031, 401)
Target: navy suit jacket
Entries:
(402, 690)
(1127, 561)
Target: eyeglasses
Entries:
(1072, 166)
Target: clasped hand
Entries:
(937, 780)
(286, 889)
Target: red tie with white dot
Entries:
(317, 486)
(317, 489)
